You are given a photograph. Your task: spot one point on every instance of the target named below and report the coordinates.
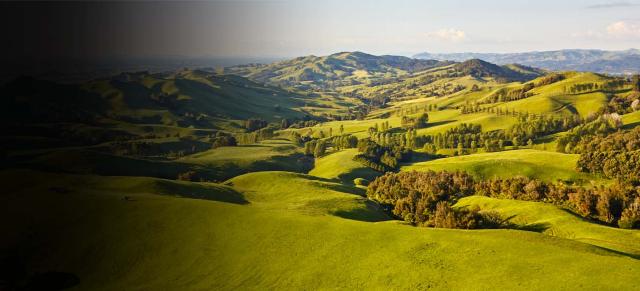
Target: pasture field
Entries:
(151, 241)
(543, 165)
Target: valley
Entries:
(345, 171)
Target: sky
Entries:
(291, 28)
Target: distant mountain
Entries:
(345, 68)
(614, 62)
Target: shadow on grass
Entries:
(534, 227)
(372, 213)
(197, 191)
(620, 253)
(418, 157)
(631, 125)
(437, 123)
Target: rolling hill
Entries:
(557, 222)
(187, 98)
(544, 165)
(158, 181)
(345, 68)
(150, 241)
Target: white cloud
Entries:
(447, 34)
(623, 29)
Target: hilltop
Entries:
(339, 69)
(478, 68)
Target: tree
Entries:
(284, 124)
(474, 146)
(630, 217)
(421, 121)
(636, 83)
(515, 142)
(224, 141)
(320, 149)
(309, 147)
(444, 216)
(253, 124)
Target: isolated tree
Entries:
(421, 121)
(284, 124)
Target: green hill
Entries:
(306, 194)
(340, 166)
(479, 69)
(544, 165)
(560, 223)
(339, 69)
(271, 155)
(216, 164)
(552, 98)
(161, 242)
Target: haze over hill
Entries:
(601, 61)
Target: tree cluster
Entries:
(316, 148)
(381, 158)
(255, 136)
(571, 142)
(616, 155)
(506, 95)
(253, 124)
(549, 79)
(425, 198)
(417, 196)
(415, 122)
(223, 141)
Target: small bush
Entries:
(360, 182)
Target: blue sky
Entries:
(289, 28)
(407, 27)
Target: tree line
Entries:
(422, 198)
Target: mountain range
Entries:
(601, 61)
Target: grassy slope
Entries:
(544, 165)
(228, 162)
(161, 242)
(560, 223)
(552, 99)
(439, 122)
(219, 164)
(306, 194)
(631, 120)
(340, 166)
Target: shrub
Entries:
(360, 182)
